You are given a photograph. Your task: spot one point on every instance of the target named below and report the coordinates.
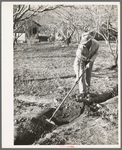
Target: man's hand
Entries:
(85, 58)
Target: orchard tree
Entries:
(64, 23)
(98, 19)
(22, 13)
(107, 15)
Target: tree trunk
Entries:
(108, 22)
(15, 39)
(68, 40)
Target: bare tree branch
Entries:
(110, 49)
(18, 27)
(23, 13)
(18, 16)
(33, 14)
(18, 10)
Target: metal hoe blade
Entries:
(49, 120)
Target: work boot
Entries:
(88, 98)
(80, 97)
(94, 107)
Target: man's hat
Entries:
(86, 37)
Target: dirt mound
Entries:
(69, 111)
(95, 128)
(32, 125)
(28, 129)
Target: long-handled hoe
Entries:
(50, 120)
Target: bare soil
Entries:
(43, 75)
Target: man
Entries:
(85, 56)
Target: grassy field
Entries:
(44, 73)
(44, 67)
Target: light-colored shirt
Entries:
(83, 51)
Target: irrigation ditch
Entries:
(32, 126)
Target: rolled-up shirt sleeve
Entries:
(76, 66)
(77, 62)
(78, 59)
(82, 52)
